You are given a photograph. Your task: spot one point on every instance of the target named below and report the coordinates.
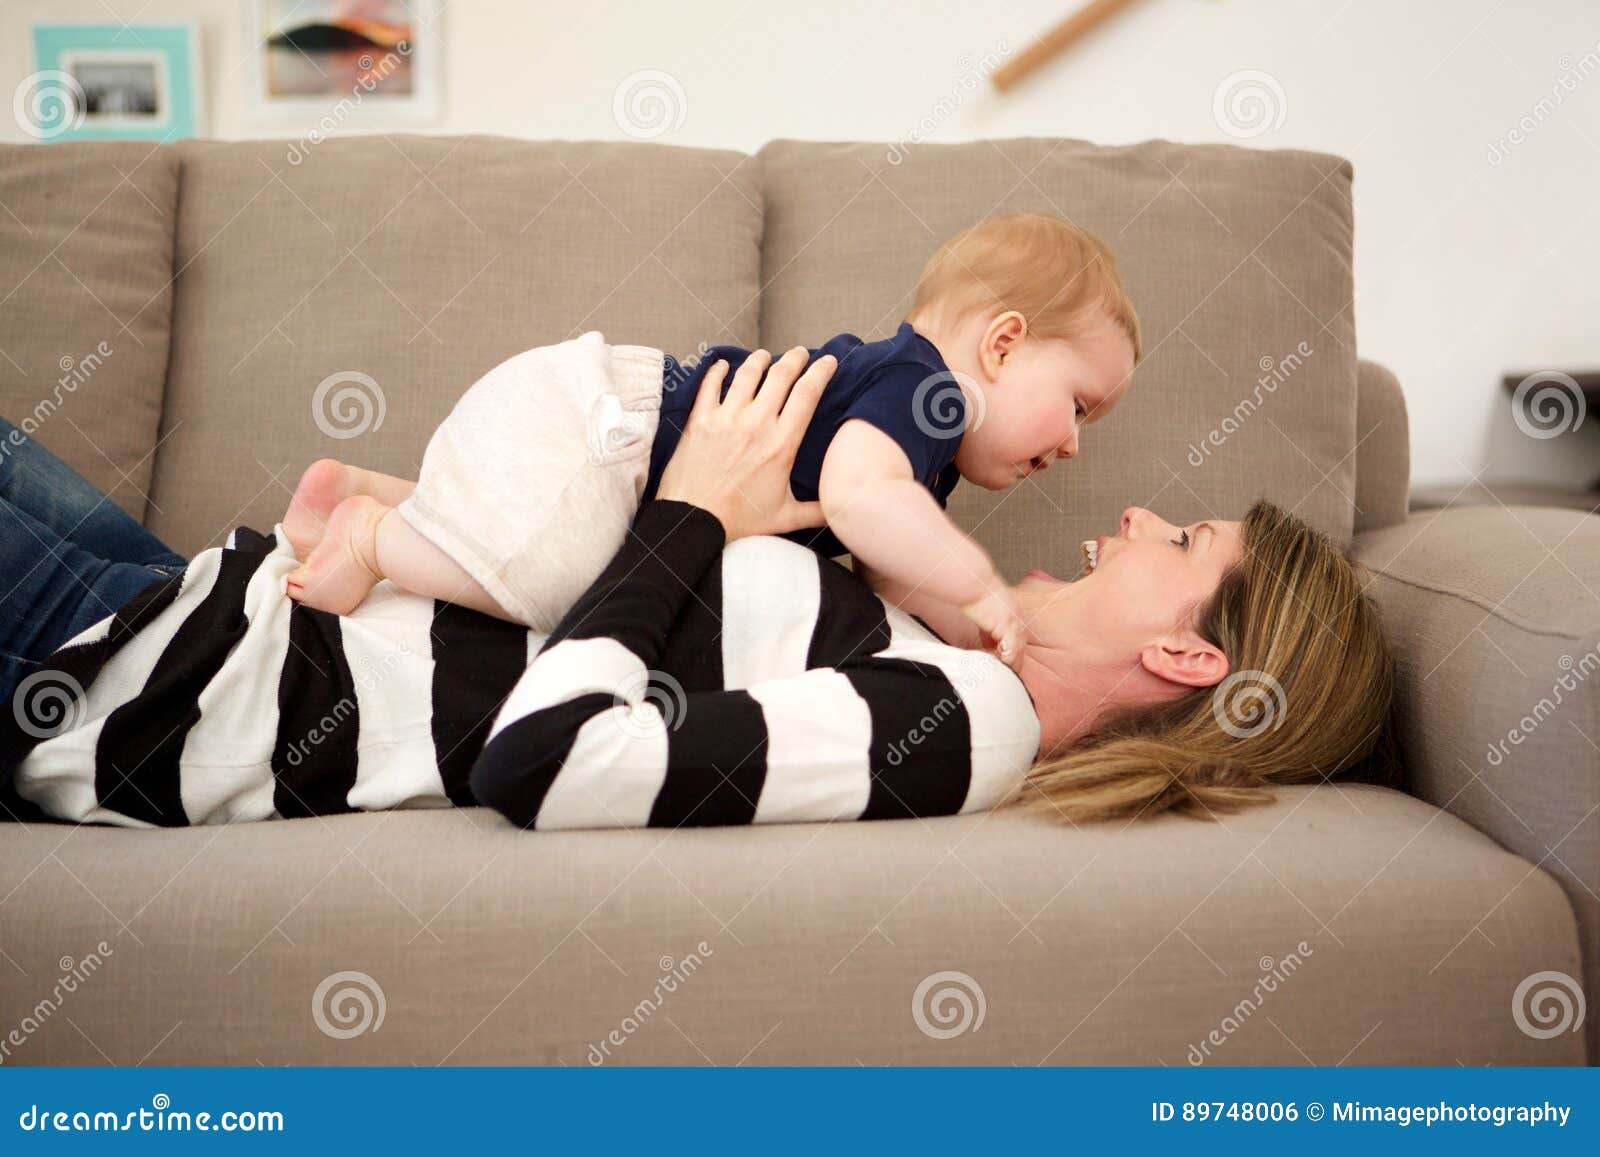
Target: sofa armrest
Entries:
(1383, 448)
(1494, 615)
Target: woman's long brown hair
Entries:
(1308, 695)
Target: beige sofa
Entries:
(237, 293)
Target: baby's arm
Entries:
(917, 557)
(946, 619)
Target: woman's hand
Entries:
(736, 453)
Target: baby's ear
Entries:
(1006, 331)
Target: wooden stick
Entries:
(1055, 41)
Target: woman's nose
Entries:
(1137, 522)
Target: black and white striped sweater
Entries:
(691, 685)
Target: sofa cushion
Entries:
(1494, 612)
(1340, 924)
(1383, 449)
(390, 272)
(1233, 258)
(86, 234)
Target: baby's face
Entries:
(1041, 397)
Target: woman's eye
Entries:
(1182, 540)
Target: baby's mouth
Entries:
(1091, 554)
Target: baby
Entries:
(1020, 334)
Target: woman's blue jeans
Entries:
(69, 556)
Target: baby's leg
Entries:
(326, 483)
(367, 542)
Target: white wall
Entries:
(1465, 269)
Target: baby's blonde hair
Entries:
(1060, 277)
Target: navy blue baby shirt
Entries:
(901, 385)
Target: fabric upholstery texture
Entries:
(1383, 449)
(1496, 621)
(1106, 945)
(389, 272)
(86, 236)
(419, 263)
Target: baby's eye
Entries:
(1182, 541)
(1081, 412)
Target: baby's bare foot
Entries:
(326, 483)
(342, 568)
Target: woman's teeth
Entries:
(1091, 554)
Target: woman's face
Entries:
(1146, 581)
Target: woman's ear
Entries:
(1186, 659)
(1000, 339)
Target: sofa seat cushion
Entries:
(1494, 612)
(86, 250)
(804, 943)
(1234, 257)
(339, 304)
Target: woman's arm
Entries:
(728, 477)
(595, 736)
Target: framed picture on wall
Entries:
(112, 82)
(335, 59)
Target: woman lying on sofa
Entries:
(711, 675)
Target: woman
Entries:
(713, 674)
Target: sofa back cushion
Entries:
(334, 299)
(1233, 257)
(86, 235)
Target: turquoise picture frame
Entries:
(64, 53)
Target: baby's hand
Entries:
(1000, 619)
